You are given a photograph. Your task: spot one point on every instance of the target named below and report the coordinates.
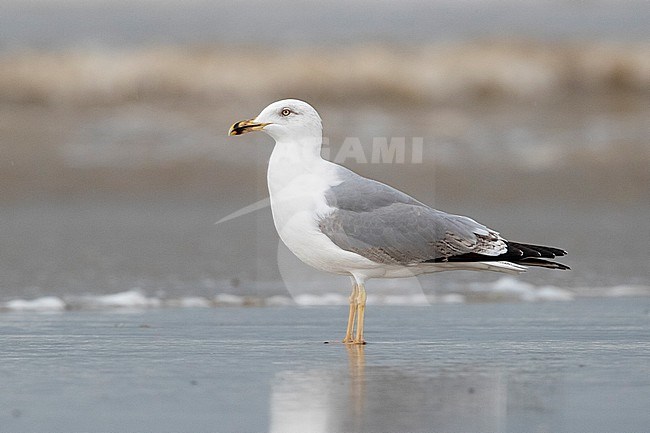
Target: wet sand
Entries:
(576, 366)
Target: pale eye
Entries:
(285, 112)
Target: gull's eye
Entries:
(285, 112)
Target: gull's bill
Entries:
(244, 126)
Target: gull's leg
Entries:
(361, 310)
(353, 310)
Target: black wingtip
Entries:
(521, 254)
(531, 250)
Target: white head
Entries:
(287, 119)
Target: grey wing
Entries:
(387, 226)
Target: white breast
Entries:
(297, 191)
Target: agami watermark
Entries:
(382, 150)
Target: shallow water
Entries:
(489, 367)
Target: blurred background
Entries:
(115, 165)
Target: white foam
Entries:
(226, 299)
(190, 302)
(551, 293)
(279, 301)
(415, 299)
(324, 299)
(46, 303)
(627, 290)
(128, 299)
(451, 298)
(513, 289)
(503, 289)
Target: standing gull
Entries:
(337, 221)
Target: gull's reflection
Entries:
(357, 383)
(380, 398)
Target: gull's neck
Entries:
(294, 158)
(306, 150)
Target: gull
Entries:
(340, 222)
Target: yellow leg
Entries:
(353, 310)
(361, 310)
